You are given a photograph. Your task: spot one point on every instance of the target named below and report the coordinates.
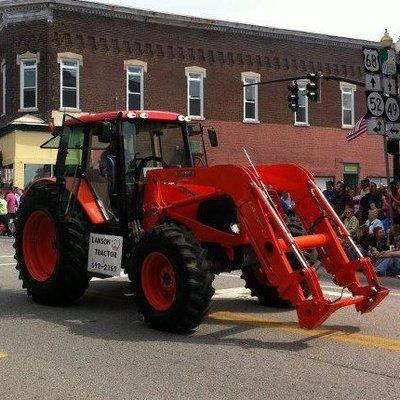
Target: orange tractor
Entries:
(127, 196)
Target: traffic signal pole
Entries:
(392, 145)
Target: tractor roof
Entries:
(131, 114)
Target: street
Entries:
(100, 348)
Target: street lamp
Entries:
(386, 42)
(397, 46)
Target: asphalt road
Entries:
(100, 348)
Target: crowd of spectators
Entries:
(9, 202)
(372, 216)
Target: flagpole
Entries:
(385, 146)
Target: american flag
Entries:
(358, 129)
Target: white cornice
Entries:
(14, 10)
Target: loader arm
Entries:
(173, 195)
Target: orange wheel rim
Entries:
(38, 245)
(158, 281)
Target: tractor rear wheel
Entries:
(259, 286)
(171, 278)
(51, 253)
(258, 283)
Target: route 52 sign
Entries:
(375, 104)
(371, 60)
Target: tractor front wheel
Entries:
(171, 279)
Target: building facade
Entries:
(75, 56)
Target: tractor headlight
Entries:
(188, 119)
(144, 115)
(181, 118)
(235, 228)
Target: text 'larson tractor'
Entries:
(127, 194)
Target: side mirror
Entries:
(103, 131)
(212, 136)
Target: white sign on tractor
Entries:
(105, 254)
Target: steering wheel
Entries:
(136, 176)
(139, 169)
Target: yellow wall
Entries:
(22, 147)
(7, 145)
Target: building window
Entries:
(250, 97)
(69, 84)
(134, 88)
(4, 88)
(32, 172)
(301, 115)
(195, 91)
(347, 91)
(28, 94)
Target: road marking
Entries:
(338, 336)
(6, 256)
(4, 264)
(243, 293)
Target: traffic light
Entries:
(293, 97)
(312, 86)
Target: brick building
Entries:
(76, 56)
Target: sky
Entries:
(361, 19)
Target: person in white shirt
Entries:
(373, 221)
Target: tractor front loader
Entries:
(127, 195)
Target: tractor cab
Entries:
(114, 152)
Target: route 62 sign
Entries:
(371, 60)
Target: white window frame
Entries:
(345, 88)
(198, 71)
(246, 78)
(4, 87)
(22, 69)
(141, 93)
(302, 86)
(61, 61)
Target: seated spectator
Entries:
(373, 197)
(350, 221)
(364, 187)
(373, 221)
(341, 199)
(378, 241)
(329, 193)
(362, 239)
(387, 262)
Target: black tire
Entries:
(69, 279)
(267, 294)
(192, 276)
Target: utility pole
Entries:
(381, 66)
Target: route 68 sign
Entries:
(371, 60)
